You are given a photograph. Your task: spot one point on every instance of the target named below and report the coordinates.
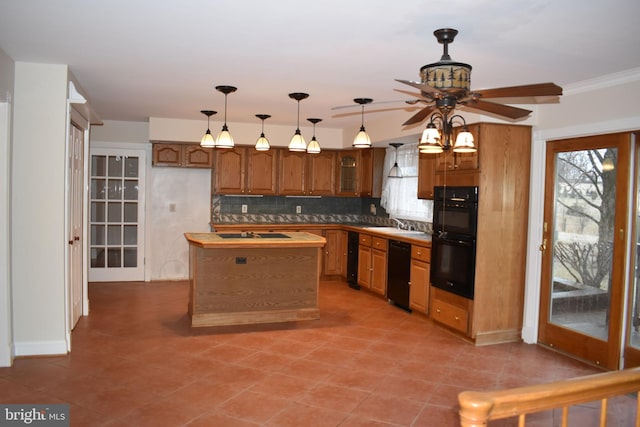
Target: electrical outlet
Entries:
(298, 209)
(372, 209)
(244, 208)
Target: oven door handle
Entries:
(459, 242)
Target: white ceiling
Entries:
(162, 58)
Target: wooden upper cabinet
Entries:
(167, 155)
(426, 175)
(243, 170)
(229, 170)
(261, 171)
(182, 155)
(370, 172)
(347, 182)
(321, 173)
(292, 173)
(196, 156)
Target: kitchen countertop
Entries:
(413, 237)
(254, 239)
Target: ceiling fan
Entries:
(446, 84)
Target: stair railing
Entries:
(478, 408)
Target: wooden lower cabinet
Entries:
(450, 309)
(379, 271)
(372, 263)
(335, 253)
(419, 278)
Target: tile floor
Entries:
(136, 362)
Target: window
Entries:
(400, 195)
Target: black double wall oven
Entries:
(453, 246)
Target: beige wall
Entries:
(6, 95)
(37, 208)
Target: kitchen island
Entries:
(244, 278)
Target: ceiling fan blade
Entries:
(420, 115)
(499, 109)
(410, 101)
(423, 87)
(539, 89)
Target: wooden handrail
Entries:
(477, 408)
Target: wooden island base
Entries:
(235, 281)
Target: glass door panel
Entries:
(632, 345)
(116, 247)
(583, 247)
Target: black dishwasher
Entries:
(398, 272)
(352, 259)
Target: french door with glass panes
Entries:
(116, 248)
(584, 262)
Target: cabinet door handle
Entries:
(457, 318)
(437, 310)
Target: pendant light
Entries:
(362, 140)
(207, 140)
(297, 142)
(395, 171)
(314, 146)
(225, 140)
(262, 144)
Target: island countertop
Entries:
(253, 277)
(255, 240)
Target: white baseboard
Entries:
(40, 348)
(6, 357)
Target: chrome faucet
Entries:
(400, 225)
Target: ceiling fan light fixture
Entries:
(225, 140)
(362, 140)
(464, 142)
(262, 143)
(207, 140)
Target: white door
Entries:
(75, 238)
(116, 222)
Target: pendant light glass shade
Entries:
(207, 140)
(362, 140)
(225, 140)
(262, 143)
(297, 142)
(314, 146)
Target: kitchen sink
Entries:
(394, 230)
(253, 235)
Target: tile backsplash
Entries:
(322, 210)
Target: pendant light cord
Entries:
(225, 109)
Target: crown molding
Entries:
(602, 82)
